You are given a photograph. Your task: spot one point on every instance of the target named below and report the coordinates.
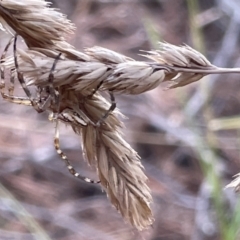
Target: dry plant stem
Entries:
(213, 70)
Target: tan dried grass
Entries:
(179, 66)
(78, 74)
(38, 24)
(118, 165)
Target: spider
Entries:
(112, 107)
(43, 103)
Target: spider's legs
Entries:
(56, 116)
(109, 111)
(35, 103)
(2, 87)
(96, 89)
(65, 159)
(112, 107)
(53, 93)
(9, 97)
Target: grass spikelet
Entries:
(118, 165)
(183, 64)
(38, 24)
(235, 183)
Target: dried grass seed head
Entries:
(118, 165)
(235, 183)
(107, 56)
(81, 75)
(133, 78)
(38, 24)
(178, 56)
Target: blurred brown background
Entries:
(188, 155)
